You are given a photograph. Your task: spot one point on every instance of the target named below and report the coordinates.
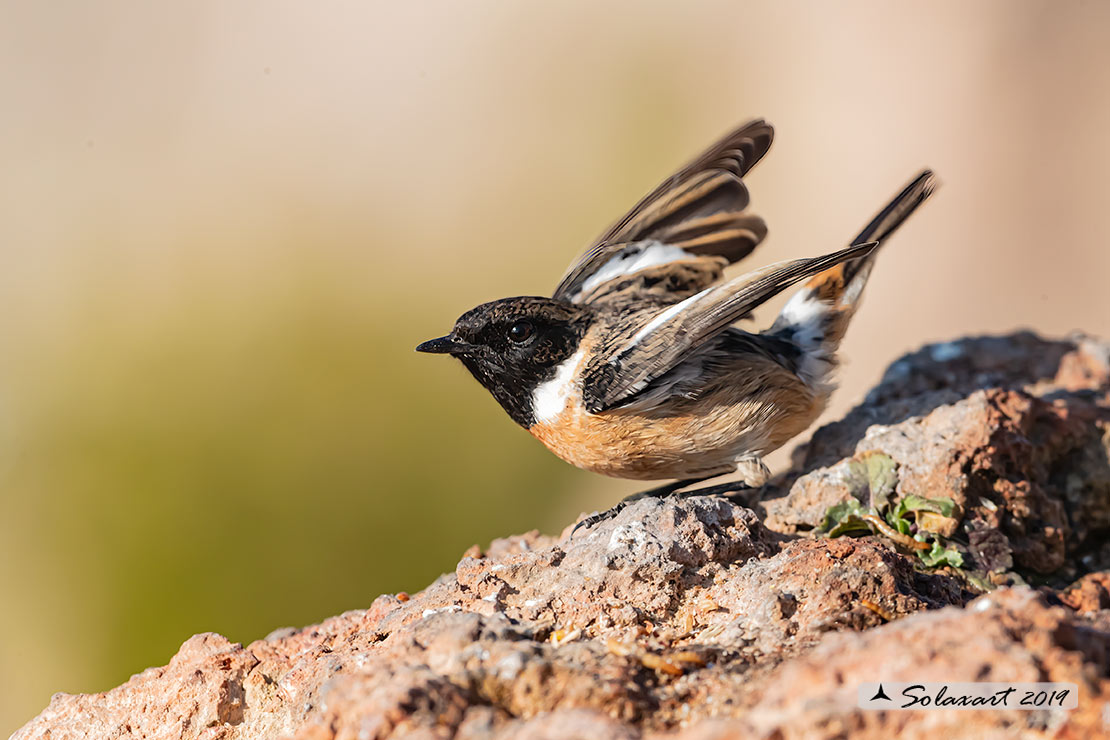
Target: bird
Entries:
(636, 367)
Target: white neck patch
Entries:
(550, 397)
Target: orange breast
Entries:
(691, 439)
(625, 446)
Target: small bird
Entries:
(634, 368)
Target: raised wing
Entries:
(696, 213)
(619, 373)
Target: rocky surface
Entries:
(702, 619)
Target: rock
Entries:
(1008, 636)
(1027, 457)
(699, 618)
(201, 687)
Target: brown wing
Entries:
(699, 211)
(661, 284)
(617, 373)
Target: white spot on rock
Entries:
(945, 351)
(448, 609)
(632, 536)
(510, 666)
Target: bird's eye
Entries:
(521, 332)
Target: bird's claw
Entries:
(724, 489)
(599, 517)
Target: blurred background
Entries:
(225, 226)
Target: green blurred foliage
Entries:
(265, 449)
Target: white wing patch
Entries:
(662, 318)
(655, 253)
(550, 397)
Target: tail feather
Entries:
(887, 221)
(817, 316)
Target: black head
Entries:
(513, 345)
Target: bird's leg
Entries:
(721, 489)
(659, 492)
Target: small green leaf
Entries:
(913, 502)
(978, 580)
(843, 518)
(901, 525)
(839, 512)
(940, 555)
(874, 477)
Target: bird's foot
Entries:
(725, 490)
(659, 492)
(671, 489)
(600, 516)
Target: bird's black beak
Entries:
(447, 345)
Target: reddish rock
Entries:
(698, 619)
(200, 693)
(1029, 459)
(1090, 594)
